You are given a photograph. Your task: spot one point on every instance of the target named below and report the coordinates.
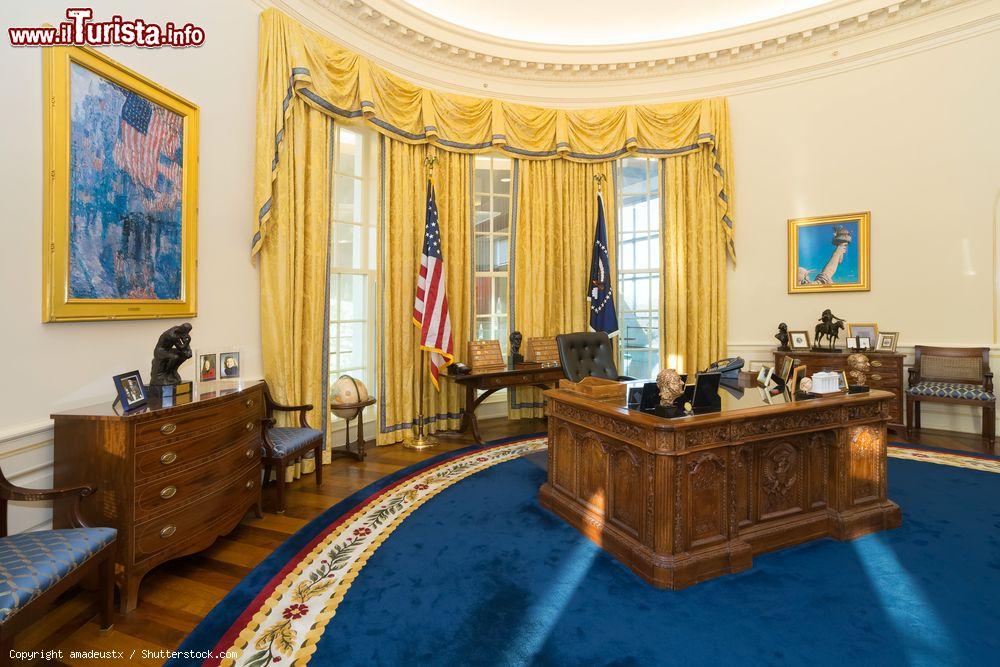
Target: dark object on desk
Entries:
(706, 393)
(956, 375)
(131, 391)
(829, 326)
(587, 354)
(735, 389)
(69, 557)
(728, 368)
(490, 382)
(857, 389)
(515, 347)
(458, 368)
(170, 480)
(782, 337)
(173, 348)
(287, 444)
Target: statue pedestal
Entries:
(158, 392)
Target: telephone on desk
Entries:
(729, 369)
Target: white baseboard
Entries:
(961, 418)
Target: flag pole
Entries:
(422, 440)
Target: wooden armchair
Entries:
(959, 375)
(284, 444)
(38, 567)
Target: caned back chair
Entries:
(959, 375)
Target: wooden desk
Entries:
(684, 500)
(493, 381)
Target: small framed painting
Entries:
(207, 367)
(829, 253)
(886, 341)
(229, 365)
(867, 330)
(799, 340)
(120, 201)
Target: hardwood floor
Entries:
(178, 594)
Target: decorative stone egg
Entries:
(347, 390)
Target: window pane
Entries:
(346, 246)
(350, 147)
(482, 252)
(347, 199)
(501, 259)
(353, 296)
(482, 183)
(482, 213)
(500, 295)
(483, 329)
(501, 176)
(334, 297)
(501, 214)
(483, 295)
(352, 345)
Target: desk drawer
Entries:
(173, 532)
(167, 493)
(248, 406)
(183, 453)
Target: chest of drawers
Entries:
(170, 479)
(886, 373)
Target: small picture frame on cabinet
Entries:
(799, 340)
(852, 343)
(864, 343)
(131, 390)
(886, 341)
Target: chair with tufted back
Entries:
(587, 354)
(38, 567)
(284, 444)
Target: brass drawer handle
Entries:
(249, 402)
(167, 429)
(167, 458)
(168, 492)
(250, 451)
(876, 364)
(250, 426)
(168, 531)
(876, 377)
(249, 484)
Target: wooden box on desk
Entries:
(171, 480)
(542, 350)
(600, 389)
(485, 356)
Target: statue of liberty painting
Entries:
(828, 254)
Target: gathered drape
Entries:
(403, 185)
(553, 235)
(306, 81)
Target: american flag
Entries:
(148, 142)
(430, 308)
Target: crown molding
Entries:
(441, 55)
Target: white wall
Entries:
(915, 141)
(52, 366)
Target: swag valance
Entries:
(297, 64)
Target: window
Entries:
(353, 256)
(638, 260)
(491, 246)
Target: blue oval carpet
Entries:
(480, 574)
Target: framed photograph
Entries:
(131, 390)
(786, 368)
(843, 380)
(799, 340)
(229, 365)
(120, 205)
(864, 343)
(207, 370)
(829, 253)
(852, 343)
(867, 330)
(886, 341)
(797, 374)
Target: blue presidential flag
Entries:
(602, 301)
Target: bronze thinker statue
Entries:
(782, 337)
(173, 348)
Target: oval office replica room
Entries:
(435, 332)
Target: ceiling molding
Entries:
(442, 55)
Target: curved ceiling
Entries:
(595, 22)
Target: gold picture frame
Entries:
(162, 155)
(867, 330)
(829, 253)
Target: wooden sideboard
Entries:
(170, 479)
(687, 499)
(886, 373)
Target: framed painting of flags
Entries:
(120, 195)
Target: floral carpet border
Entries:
(940, 457)
(287, 626)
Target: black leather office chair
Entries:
(587, 354)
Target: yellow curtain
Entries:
(301, 64)
(553, 230)
(403, 199)
(294, 268)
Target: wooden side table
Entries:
(359, 445)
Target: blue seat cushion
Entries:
(951, 390)
(32, 563)
(290, 440)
